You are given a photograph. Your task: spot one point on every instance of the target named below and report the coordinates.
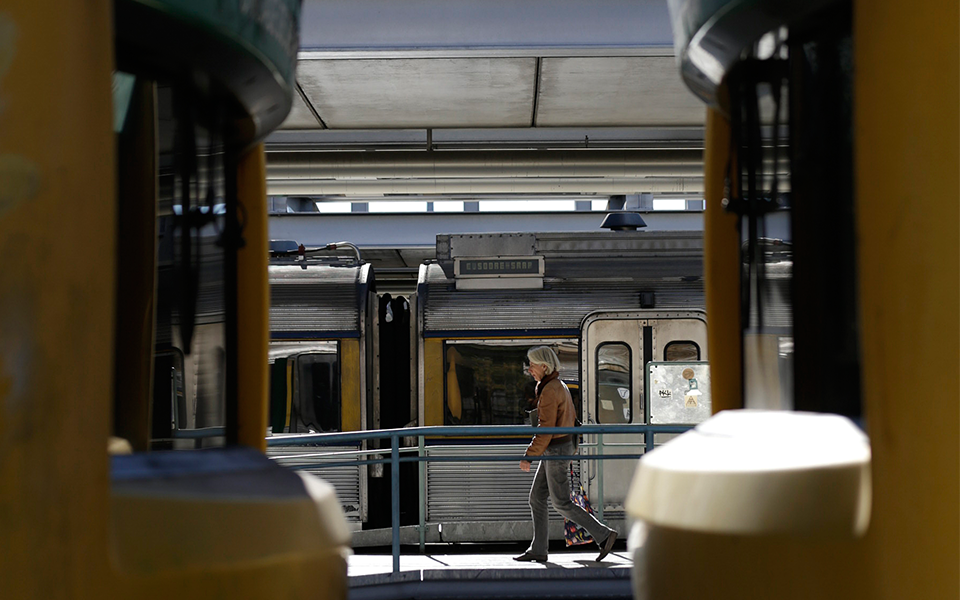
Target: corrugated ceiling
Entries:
(478, 92)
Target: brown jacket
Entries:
(554, 409)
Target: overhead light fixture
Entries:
(623, 221)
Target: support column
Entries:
(721, 265)
(253, 303)
(57, 285)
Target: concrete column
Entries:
(616, 202)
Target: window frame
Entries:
(597, 370)
(297, 389)
(674, 342)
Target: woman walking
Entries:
(555, 409)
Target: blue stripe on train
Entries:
(486, 333)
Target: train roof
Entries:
(322, 299)
(583, 272)
(584, 254)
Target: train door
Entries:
(618, 353)
(611, 354)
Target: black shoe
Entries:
(607, 545)
(531, 557)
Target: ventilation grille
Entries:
(345, 479)
(479, 491)
(561, 305)
(314, 300)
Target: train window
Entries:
(614, 379)
(317, 393)
(283, 356)
(279, 396)
(681, 351)
(484, 380)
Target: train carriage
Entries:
(322, 330)
(611, 304)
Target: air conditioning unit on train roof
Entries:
(502, 260)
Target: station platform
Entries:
(439, 575)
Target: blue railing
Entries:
(466, 431)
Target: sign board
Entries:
(678, 392)
(499, 266)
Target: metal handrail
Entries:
(324, 439)
(466, 431)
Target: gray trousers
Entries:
(553, 480)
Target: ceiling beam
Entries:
(683, 137)
(485, 164)
(492, 185)
(399, 231)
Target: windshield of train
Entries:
(304, 387)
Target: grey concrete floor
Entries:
(360, 565)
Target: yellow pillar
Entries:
(136, 290)
(351, 384)
(57, 247)
(908, 211)
(433, 381)
(253, 303)
(721, 266)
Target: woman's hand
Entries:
(525, 466)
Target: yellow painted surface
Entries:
(350, 382)
(433, 381)
(253, 303)
(57, 240)
(683, 564)
(721, 259)
(454, 401)
(908, 216)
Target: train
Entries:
(614, 305)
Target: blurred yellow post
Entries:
(58, 249)
(253, 302)
(721, 265)
(907, 128)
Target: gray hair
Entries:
(544, 355)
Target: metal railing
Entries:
(466, 431)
